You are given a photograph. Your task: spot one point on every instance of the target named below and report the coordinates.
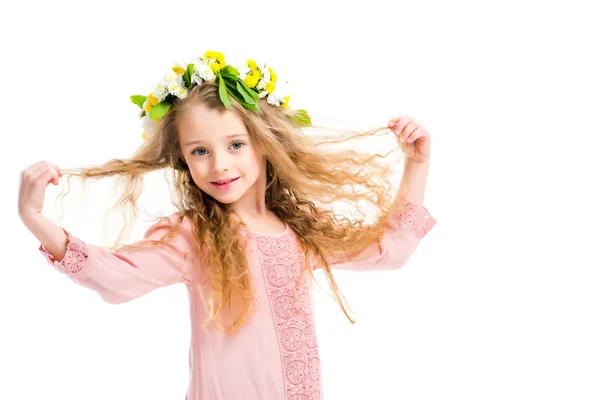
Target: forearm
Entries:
(52, 236)
(414, 181)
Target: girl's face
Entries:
(216, 147)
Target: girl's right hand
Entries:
(32, 188)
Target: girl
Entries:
(252, 219)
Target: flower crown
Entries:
(247, 85)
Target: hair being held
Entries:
(304, 178)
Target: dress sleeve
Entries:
(125, 274)
(410, 222)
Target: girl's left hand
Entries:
(412, 137)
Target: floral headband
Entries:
(246, 85)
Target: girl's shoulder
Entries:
(176, 220)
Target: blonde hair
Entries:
(302, 178)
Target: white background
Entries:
(501, 299)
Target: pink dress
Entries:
(275, 355)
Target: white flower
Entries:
(182, 93)
(196, 79)
(204, 71)
(171, 76)
(160, 96)
(273, 99)
(161, 91)
(148, 126)
(262, 94)
(278, 96)
(175, 87)
(266, 77)
(262, 84)
(161, 86)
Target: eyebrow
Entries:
(226, 137)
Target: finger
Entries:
(409, 129)
(46, 174)
(417, 133)
(49, 176)
(35, 169)
(58, 170)
(394, 120)
(400, 125)
(60, 173)
(38, 168)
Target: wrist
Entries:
(412, 161)
(30, 218)
(414, 180)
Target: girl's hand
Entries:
(412, 137)
(32, 187)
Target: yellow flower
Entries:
(148, 107)
(252, 78)
(178, 70)
(273, 76)
(153, 100)
(286, 102)
(216, 60)
(252, 64)
(270, 87)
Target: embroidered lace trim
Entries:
(414, 217)
(292, 314)
(75, 258)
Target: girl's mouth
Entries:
(226, 184)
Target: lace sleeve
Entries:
(125, 274)
(409, 223)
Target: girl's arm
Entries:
(408, 223)
(121, 275)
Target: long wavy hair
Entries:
(304, 178)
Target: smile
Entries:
(224, 185)
(224, 182)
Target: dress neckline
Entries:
(287, 228)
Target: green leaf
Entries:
(229, 79)
(241, 100)
(187, 76)
(186, 80)
(244, 92)
(302, 118)
(223, 93)
(230, 86)
(242, 88)
(232, 89)
(253, 92)
(159, 110)
(138, 99)
(229, 70)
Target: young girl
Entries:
(251, 192)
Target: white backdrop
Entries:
(501, 299)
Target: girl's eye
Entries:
(238, 143)
(232, 144)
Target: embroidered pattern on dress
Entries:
(75, 258)
(414, 217)
(282, 263)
